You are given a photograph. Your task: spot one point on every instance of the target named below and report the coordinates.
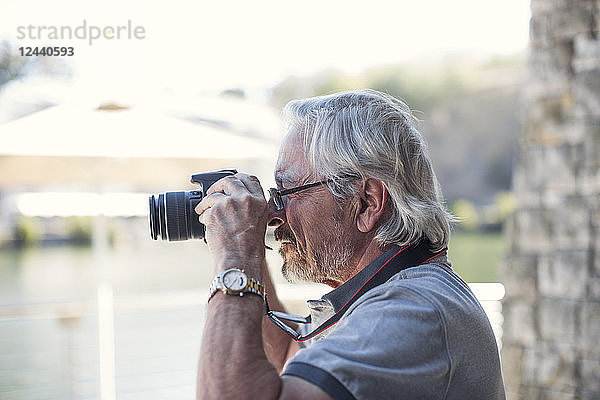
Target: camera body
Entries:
(172, 215)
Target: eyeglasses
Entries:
(277, 195)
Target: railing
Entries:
(127, 347)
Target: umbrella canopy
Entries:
(70, 144)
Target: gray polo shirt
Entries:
(420, 334)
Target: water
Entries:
(73, 273)
(67, 273)
(49, 331)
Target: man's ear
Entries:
(373, 199)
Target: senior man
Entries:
(356, 208)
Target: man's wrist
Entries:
(251, 264)
(235, 281)
(221, 297)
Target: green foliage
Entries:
(79, 230)
(475, 256)
(505, 61)
(27, 231)
(472, 218)
(422, 90)
(467, 214)
(421, 86)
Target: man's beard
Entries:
(328, 262)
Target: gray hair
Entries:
(368, 134)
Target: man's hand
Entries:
(235, 215)
(233, 363)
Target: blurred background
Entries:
(90, 306)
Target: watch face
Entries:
(235, 280)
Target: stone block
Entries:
(594, 206)
(554, 330)
(591, 154)
(548, 164)
(557, 320)
(587, 54)
(532, 229)
(560, 21)
(590, 329)
(543, 83)
(530, 365)
(595, 29)
(556, 368)
(544, 6)
(563, 274)
(573, 130)
(512, 362)
(590, 375)
(529, 393)
(529, 171)
(519, 323)
(590, 395)
(550, 108)
(560, 168)
(548, 394)
(588, 183)
(519, 278)
(585, 91)
(571, 226)
(594, 289)
(595, 261)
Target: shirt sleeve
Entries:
(391, 344)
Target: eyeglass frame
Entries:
(277, 195)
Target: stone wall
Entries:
(551, 342)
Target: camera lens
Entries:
(172, 216)
(157, 217)
(154, 230)
(177, 218)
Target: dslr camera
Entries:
(172, 215)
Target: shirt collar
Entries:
(343, 293)
(380, 271)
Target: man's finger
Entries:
(251, 182)
(202, 218)
(207, 202)
(229, 185)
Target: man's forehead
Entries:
(292, 165)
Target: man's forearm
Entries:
(278, 346)
(232, 362)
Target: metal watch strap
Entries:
(213, 287)
(253, 287)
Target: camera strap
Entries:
(377, 273)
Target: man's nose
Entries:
(275, 217)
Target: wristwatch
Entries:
(234, 281)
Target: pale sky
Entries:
(190, 47)
(216, 44)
